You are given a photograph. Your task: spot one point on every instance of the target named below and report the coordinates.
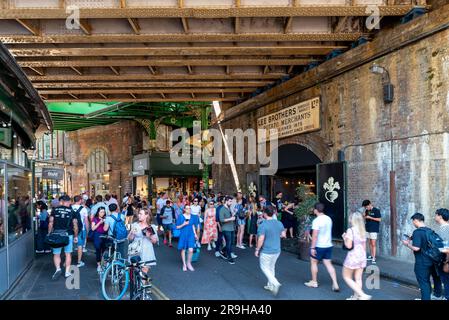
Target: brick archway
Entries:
(313, 142)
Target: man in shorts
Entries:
(63, 219)
(372, 223)
(321, 247)
(167, 215)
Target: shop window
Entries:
(2, 208)
(19, 202)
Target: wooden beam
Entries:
(85, 26)
(228, 70)
(206, 12)
(103, 96)
(180, 3)
(193, 95)
(189, 68)
(162, 95)
(290, 69)
(134, 25)
(39, 71)
(122, 3)
(237, 25)
(115, 70)
(76, 70)
(153, 71)
(73, 96)
(176, 51)
(288, 24)
(185, 25)
(146, 91)
(132, 95)
(62, 4)
(31, 26)
(391, 40)
(136, 85)
(166, 62)
(340, 24)
(125, 77)
(178, 37)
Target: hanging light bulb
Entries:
(14, 135)
(4, 125)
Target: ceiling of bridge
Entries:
(178, 50)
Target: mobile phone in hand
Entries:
(405, 237)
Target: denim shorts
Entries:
(81, 238)
(67, 249)
(323, 254)
(241, 222)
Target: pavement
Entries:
(213, 279)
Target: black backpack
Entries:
(432, 249)
(77, 216)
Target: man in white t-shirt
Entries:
(321, 247)
(82, 234)
(161, 201)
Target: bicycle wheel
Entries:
(144, 294)
(115, 281)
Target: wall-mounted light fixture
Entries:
(388, 88)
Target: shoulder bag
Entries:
(352, 247)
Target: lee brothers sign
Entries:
(299, 118)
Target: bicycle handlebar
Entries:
(113, 239)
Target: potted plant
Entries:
(303, 213)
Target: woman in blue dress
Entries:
(188, 237)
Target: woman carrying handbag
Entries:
(355, 244)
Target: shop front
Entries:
(49, 181)
(154, 172)
(22, 114)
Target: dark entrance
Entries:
(297, 165)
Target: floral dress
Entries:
(356, 258)
(210, 227)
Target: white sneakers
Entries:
(209, 248)
(241, 247)
(99, 269)
(80, 264)
(233, 256)
(217, 254)
(213, 244)
(311, 284)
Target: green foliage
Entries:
(304, 208)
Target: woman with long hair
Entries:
(355, 262)
(98, 231)
(188, 237)
(129, 210)
(210, 227)
(252, 213)
(146, 233)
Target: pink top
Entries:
(100, 227)
(356, 258)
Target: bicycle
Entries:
(111, 254)
(127, 274)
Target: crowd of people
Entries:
(221, 222)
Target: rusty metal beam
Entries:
(174, 51)
(31, 26)
(76, 70)
(124, 77)
(288, 24)
(39, 71)
(145, 91)
(113, 99)
(115, 70)
(135, 85)
(206, 12)
(166, 62)
(170, 37)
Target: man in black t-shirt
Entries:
(424, 267)
(372, 223)
(63, 219)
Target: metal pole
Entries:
(205, 126)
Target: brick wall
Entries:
(115, 140)
(355, 119)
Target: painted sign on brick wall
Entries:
(299, 118)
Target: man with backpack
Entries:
(424, 244)
(115, 226)
(168, 216)
(63, 221)
(81, 216)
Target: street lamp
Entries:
(388, 88)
